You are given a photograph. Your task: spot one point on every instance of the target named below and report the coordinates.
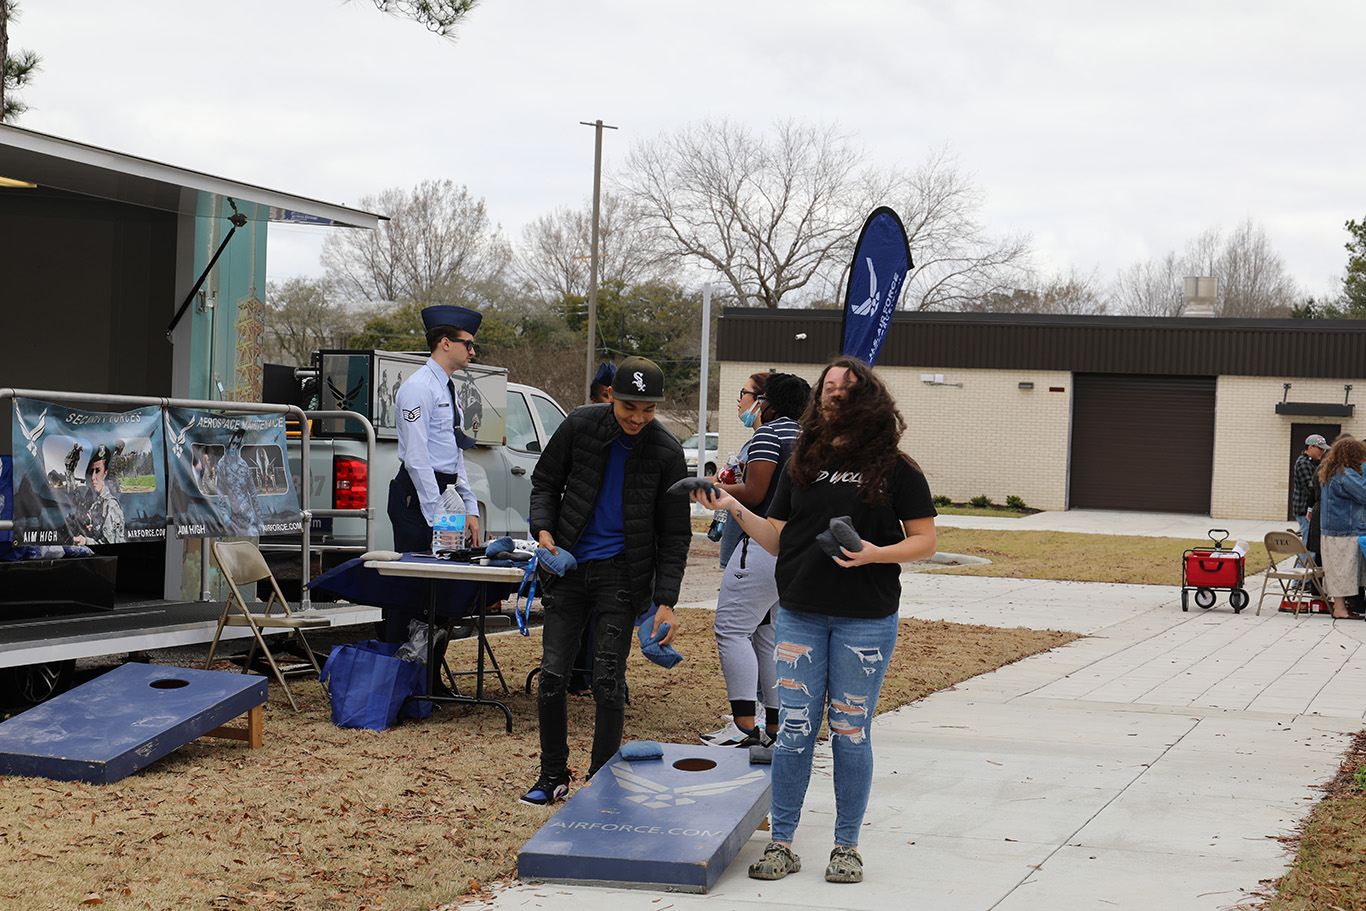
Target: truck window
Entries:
(521, 433)
(550, 414)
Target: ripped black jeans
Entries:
(598, 588)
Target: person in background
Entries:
(600, 492)
(600, 390)
(837, 623)
(1342, 519)
(1305, 490)
(748, 597)
(745, 404)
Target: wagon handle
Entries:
(1218, 536)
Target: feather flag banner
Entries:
(882, 260)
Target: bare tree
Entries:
(438, 241)
(771, 213)
(439, 16)
(958, 264)
(302, 316)
(1153, 287)
(15, 70)
(1251, 277)
(554, 256)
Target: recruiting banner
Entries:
(881, 263)
(228, 475)
(85, 477)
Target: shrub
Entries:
(981, 501)
(1015, 502)
(942, 500)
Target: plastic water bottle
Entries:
(729, 474)
(448, 525)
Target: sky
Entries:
(1110, 133)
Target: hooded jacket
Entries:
(564, 492)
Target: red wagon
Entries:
(1206, 570)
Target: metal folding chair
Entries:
(241, 564)
(1303, 581)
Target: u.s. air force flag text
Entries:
(882, 260)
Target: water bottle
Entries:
(729, 474)
(448, 525)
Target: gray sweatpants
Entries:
(743, 639)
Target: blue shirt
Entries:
(605, 534)
(426, 423)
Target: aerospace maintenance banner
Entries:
(228, 475)
(881, 263)
(85, 477)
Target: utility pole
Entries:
(598, 127)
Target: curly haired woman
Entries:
(837, 623)
(1342, 519)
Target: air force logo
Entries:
(651, 794)
(869, 307)
(31, 434)
(178, 439)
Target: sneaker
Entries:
(729, 732)
(739, 737)
(777, 862)
(546, 791)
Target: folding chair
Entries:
(241, 563)
(1303, 581)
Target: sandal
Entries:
(846, 866)
(777, 862)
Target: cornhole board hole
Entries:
(674, 823)
(125, 720)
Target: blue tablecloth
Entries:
(403, 598)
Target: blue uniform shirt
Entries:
(426, 437)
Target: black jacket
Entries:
(564, 492)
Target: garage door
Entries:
(1142, 443)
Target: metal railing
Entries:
(305, 479)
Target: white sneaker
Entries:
(733, 736)
(728, 733)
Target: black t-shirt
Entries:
(810, 581)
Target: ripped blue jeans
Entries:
(841, 661)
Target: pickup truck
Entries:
(510, 423)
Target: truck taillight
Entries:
(350, 478)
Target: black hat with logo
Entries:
(638, 379)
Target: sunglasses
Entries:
(468, 343)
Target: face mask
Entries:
(750, 416)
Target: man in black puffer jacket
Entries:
(599, 491)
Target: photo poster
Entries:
(228, 475)
(83, 477)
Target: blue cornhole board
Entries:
(661, 823)
(122, 721)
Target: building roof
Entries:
(1083, 344)
(75, 167)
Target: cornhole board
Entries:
(674, 823)
(124, 720)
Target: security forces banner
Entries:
(881, 263)
(228, 475)
(85, 477)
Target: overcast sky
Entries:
(1109, 132)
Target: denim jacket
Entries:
(1342, 510)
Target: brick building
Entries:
(1201, 416)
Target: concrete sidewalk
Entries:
(1153, 764)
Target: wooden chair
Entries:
(1303, 581)
(241, 564)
